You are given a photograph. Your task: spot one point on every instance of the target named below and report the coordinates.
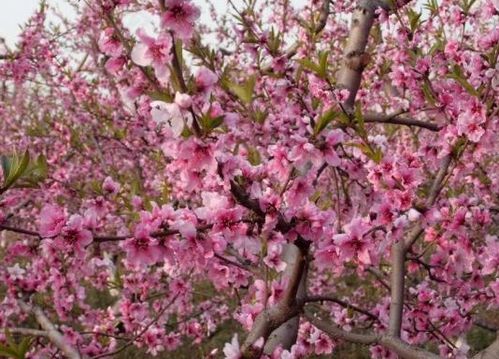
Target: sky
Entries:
(15, 12)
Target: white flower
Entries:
(16, 272)
(183, 100)
(168, 114)
(413, 215)
(232, 350)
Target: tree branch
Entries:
(335, 332)
(355, 57)
(396, 120)
(330, 298)
(397, 280)
(289, 307)
(491, 352)
(28, 331)
(402, 349)
(324, 14)
(51, 332)
(285, 335)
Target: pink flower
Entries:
(205, 79)
(451, 50)
(110, 44)
(352, 242)
(142, 249)
(115, 64)
(299, 192)
(333, 138)
(110, 186)
(469, 126)
(326, 257)
(180, 16)
(75, 234)
(52, 219)
(273, 258)
(153, 52)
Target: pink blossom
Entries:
(110, 186)
(180, 16)
(205, 79)
(110, 44)
(142, 249)
(352, 242)
(52, 219)
(153, 52)
(470, 126)
(75, 234)
(183, 100)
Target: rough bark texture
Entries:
(397, 289)
(51, 332)
(286, 334)
(491, 352)
(273, 317)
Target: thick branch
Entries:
(402, 349)
(285, 335)
(335, 332)
(355, 57)
(396, 120)
(28, 331)
(330, 298)
(397, 281)
(437, 183)
(324, 14)
(289, 307)
(52, 333)
(491, 352)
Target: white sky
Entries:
(15, 12)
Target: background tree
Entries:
(319, 174)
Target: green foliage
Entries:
(243, 91)
(13, 349)
(209, 123)
(21, 171)
(320, 68)
(432, 6)
(414, 19)
(457, 74)
(326, 118)
(253, 155)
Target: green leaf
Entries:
(457, 74)
(326, 118)
(178, 52)
(359, 117)
(253, 155)
(24, 346)
(245, 90)
(323, 64)
(319, 69)
(260, 116)
(428, 94)
(161, 96)
(35, 173)
(13, 167)
(414, 19)
(8, 352)
(210, 123)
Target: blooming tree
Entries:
(319, 173)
